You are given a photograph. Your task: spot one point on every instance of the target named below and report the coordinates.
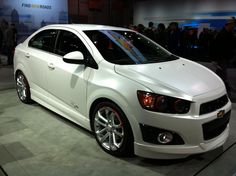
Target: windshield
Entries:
(126, 47)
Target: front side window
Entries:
(126, 47)
(69, 42)
(44, 40)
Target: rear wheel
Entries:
(23, 89)
(112, 129)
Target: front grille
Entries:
(150, 134)
(214, 128)
(213, 105)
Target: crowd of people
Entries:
(8, 40)
(186, 42)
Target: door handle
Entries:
(51, 66)
(27, 55)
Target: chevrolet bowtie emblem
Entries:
(221, 113)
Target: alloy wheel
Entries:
(21, 87)
(109, 128)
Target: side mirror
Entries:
(75, 57)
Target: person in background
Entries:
(3, 27)
(141, 28)
(161, 37)
(173, 39)
(14, 30)
(1, 39)
(224, 47)
(150, 31)
(204, 42)
(190, 42)
(8, 42)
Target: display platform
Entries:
(35, 141)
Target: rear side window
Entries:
(44, 40)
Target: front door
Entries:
(67, 83)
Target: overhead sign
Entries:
(41, 6)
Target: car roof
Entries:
(87, 27)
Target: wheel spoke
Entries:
(112, 117)
(117, 126)
(118, 133)
(110, 141)
(20, 86)
(23, 93)
(101, 117)
(100, 123)
(107, 112)
(114, 140)
(100, 131)
(19, 83)
(104, 137)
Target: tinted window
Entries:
(44, 40)
(126, 47)
(69, 42)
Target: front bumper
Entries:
(178, 151)
(188, 127)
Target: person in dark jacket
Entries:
(150, 31)
(161, 37)
(173, 40)
(8, 42)
(224, 47)
(204, 43)
(1, 39)
(14, 30)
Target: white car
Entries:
(133, 94)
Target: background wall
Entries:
(186, 12)
(111, 12)
(29, 15)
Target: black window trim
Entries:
(53, 49)
(91, 63)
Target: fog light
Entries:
(165, 137)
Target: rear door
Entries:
(39, 52)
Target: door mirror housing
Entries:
(75, 57)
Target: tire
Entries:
(23, 89)
(112, 130)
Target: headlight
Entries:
(162, 103)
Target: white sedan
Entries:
(133, 94)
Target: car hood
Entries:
(179, 78)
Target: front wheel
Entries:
(112, 129)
